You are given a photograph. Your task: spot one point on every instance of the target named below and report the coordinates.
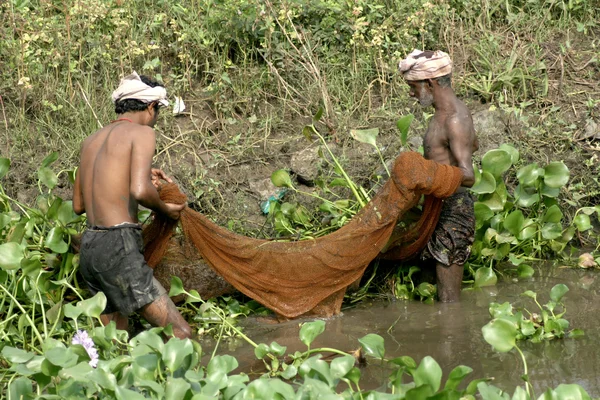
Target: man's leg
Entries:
(449, 281)
(162, 312)
(121, 320)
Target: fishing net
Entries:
(311, 276)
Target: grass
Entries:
(250, 92)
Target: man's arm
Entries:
(78, 205)
(141, 188)
(461, 147)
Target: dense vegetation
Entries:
(253, 74)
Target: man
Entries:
(450, 139)
(114, 178)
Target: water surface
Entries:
(451, 333)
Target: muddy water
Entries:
(451, 333)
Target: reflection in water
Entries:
(451, 333)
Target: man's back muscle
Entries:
(105, 175)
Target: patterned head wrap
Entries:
(421, 65)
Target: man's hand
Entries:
(173, 211)
(157, 175)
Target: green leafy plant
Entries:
(403, 286)
(507, 327)
(544, 324)
(524, 223)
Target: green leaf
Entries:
(54, 241)
(553, 214)
(558, 291)
(526, 197)
(550, 192)
(307, 131)
(576, 333)
(340, 366)
(482, 214)
(176, 286)
(403, 124)
(496, 162)
(485, 276)
(501, 334)
(126, 394)
(261, 350)
(527, 327)
(556, 174)
(428, 373)
(514, 153)
(373, 345)
(495, 201)
(65, 213)
(175, 352)
(289, 372)
(20, 388)
(571, 392)
(582, 222)
(405, 361)
(529, 175)
(551, 230)
(529, 229)
(50, 158)
(11, 255)
(318, 115)
(93, 306)
(310, 330)
(487, 184)
(525, 271)
(514, 222)
(456, 376)
(339, 182)
(176, 388)
(47, 177)
(276, 349)
(281, 178)
(4, 166)
(16, 356)
(61, 357)
(520, 394)
(489, 392)
(368, 136)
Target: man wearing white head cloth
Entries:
(450, 139)
(115, 176)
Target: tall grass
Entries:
(277, 61)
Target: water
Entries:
(451, 334)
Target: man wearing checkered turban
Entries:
(450, 139)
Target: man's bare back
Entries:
(114, 174)
(450, 138)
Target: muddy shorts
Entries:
(455, 231)
(111, 261)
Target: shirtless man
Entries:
(114, 178)
(450, 139)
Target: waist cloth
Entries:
(454, 233)
(112, 262)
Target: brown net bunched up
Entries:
(311, 276)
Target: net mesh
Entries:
(311, 276)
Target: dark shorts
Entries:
(111, 261)
(455, 231)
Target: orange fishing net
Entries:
(311, 276)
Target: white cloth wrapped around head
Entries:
(132, 87)
(421, 65)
